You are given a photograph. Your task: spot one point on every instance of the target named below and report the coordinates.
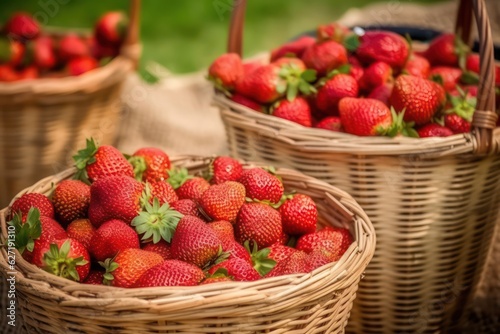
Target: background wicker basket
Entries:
(434, 202)
(43, 121)
(318, 302)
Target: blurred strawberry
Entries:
(383, 46)
(332, 123)
(8, 74)
(250, 66)
(325, 57)
(434, 130)
(225, 71)
(95, 277)
(332, 31)
(29, 73)
(293, 49)
(111, 28)
(247, 102)
(43, 52)
(72, 46)
(297, 111)
(376, 74)
(382, 93)
(291, 62)
(417, 66)
(448, 77)
(335, 87)
(447, 50)
(80, 65)
(22, 26)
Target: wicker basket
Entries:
(43, 121)
(433, 202)
(318, 302)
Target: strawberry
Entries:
(247, 102)
(448, 77)
(334, 89)
(162, 247)
(250, 66)
(80, 65)
(187, 186)
(223, 230)
(258, 223)
(23, 204)
(110, 29)
(8, 74)
(456, 123)
(317, 258)
(163, 191)
(357, 73)
(262, 185)
(12, 52)
(66, 258)
(115, 197)
(22, 26)
(71, 46)
(332, 123)
(95, 161)
(279, 252)
(332, 31)
(81, 230)
(382, 93)
(29, 73)
(194, 242)
(377, 74)
(223, 201)
(434, 130)
(238, 269)
(420, 98)
(224, 169)
(297, 111)
(216, 279)
(417, 66)
(446, 50)
(128, 266)
(299, 215)
(235, 249)
(225, 71)
(459, 112)
(290, 62)
(171, 273)
(295, 263)
(332, 241)
(325, 57)
(293, 49)
(187, 207)
(383, 46)
(259, 259)
(112, 237)
(472, 63)
(71, 200)
(102, 51)
(284, 239)
(95, 277)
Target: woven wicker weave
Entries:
(434, 202)
(318, 302)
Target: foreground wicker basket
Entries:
(318, 302)
(43, 121)
(433, 202)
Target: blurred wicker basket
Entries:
(433, 202)
(318, 302)
(43, 121)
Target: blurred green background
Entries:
(186, 36)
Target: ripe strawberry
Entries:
(171, 273)
(417, 66)
(115, 197)
(317, 258)
(434, 130)
(187, 207)
(28, 200)
(238, 269)
(449, 77)
(223, 230)
(187, 186)
(22, 26)
(472, 63)
(258, 223)
(12, 52)
(459, 112)
(325, 57)
(293, 62)
(66, 258)
(364, 117)
(420, 98)
(223, 201)
(81, 230)
(95, 162)
(296, 263)
(72, 46)
(8, 74)
(216, 279)
(235, 249)
(297, 111)
(293, 49)
(456, 123)
(162, 247)
(80, 65)
(279, 252)
(384, 46)
(446, 50)
(250, 66)
(194, 242)
(128, 266)
(332, 241)
(247, 102)
(224, 169)
(299, 215)
(225, 71)
(284, 239)
(28, 73)
(110, 29)
(95, 277)
(262, 185)
(332, 123)
(102, 51)
(377, 74)
(337, 87)
(382, 93)
(163, 191)
(71, 200)
(112, 237)
(334, 31)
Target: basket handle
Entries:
(131, 47)
(485, 117)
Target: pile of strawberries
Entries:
(136, 221)
(369, 84)
(27, 52)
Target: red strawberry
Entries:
(293, 49)
(364, 117)
(284, 239)
(72, 46)
(279, 252)
(95, 162)
(384, 46)
(95, 277)
(238, 269)
(64, 258)
(417, 66)
(28, 73)
(111, 28)
(247, 102)
(250, 66)
(223, 229)
(224, 169)
(71, 200)
(299, 215)
(12, 52)
(81, 230)
(216, 279)
(456, 123)
(337, 87)
(449, 77)
(296, 263)
(262, 185)
(434, 130)
(258, 223)
(115, 197)
(171, 273)
(332, 123)
(382, 93)
(26, 201)
(294, 62)
(472, 63)
(334, 31)
(194, 242)
(357, 73)
(297, 111)
(332, 241)
(187, 207)
(112, 237)
(459, 112)
(235, 249)
(8, 74)
(100, 51)
(325, 56)
(163, 191)
(223, 201)
(128, 266)
(188, 187)
(446, 50)
(80, 65)
(317, 258)
(377, 74)
(420, 98)
(225, 71)
(22, 26)
(162, 247)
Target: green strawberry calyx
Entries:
(110, 266)
(26, 233)
(177, 177)
(219, 273)
(85, 157)
(462, 105)
(352, 42)
(469, 78)
(398, 126)
(295, 80)
(221, 257)
(343, 69)
(217, 82)
(157, 221)
(260, 258)
(58, 262)
(139, 165)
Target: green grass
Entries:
(187, 35)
